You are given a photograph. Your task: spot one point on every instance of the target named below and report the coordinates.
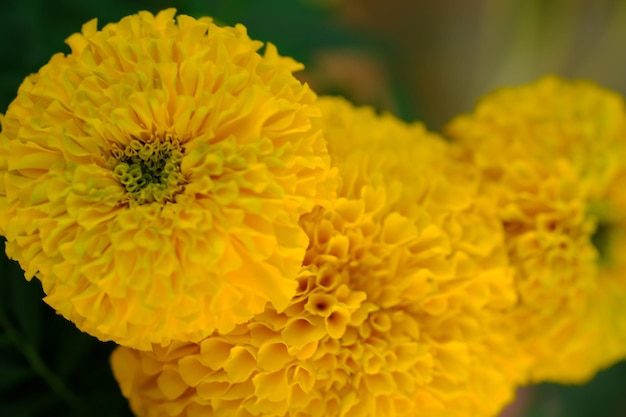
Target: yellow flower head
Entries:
(398, 307)
(550, 153)
(153, 178)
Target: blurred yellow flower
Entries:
(153, 178)
(551, 154)
(399, 309)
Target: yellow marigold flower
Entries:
(153, 178)
(550, 154)
(398, 310)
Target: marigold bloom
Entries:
(550, 154)
(153, 178)
(398, 307)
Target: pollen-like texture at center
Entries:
(149, 170)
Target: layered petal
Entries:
(399, 309)
(552, 155)
(153, 178)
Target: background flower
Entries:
(153, 178)
(550, 152)
(398, 309)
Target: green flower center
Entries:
(601, 239)
(149, 170)
(603, 234)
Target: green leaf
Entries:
(26, 308)
(602, 396)
(5, 342)
(43, 404)
(72, 353)
(13, 373)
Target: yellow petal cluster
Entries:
(154, 177)
(552, 156)
(399, 307)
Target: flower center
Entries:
(601, 240)
(150, 170)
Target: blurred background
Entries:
(419, 59)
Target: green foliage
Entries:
(603, 396)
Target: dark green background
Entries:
(48, 367)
